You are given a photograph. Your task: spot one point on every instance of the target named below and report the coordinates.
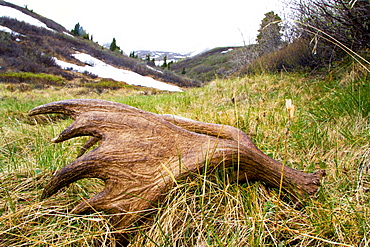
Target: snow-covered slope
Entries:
(158, 56)
(96, 66)
(6, 11)
(104, 70)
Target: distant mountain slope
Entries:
(158, 56)
(32, 48)
(218, 62)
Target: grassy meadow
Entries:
(330, 130)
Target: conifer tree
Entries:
(79, 31)
(169, 65)
(269, 36)
(114, 46)
(164, 65)
(132, 54)
(76, 30)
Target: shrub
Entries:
(89, 74)
(298, 55)
(107, 84)
(32, 78)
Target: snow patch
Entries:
(8, 30)
(6, 11)
(101, 69)
(68, 34)
(151, 68)
(223, 52)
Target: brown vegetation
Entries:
(34, 49)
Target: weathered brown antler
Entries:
(141, 154)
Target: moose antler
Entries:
(142, 154)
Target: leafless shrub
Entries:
(299, 55)
(89, 74)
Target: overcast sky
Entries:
(161, 25)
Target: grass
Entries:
(219, 62)
(27, 81)
(330, 130)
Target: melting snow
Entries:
(68, 34)
(223, 52)
(104, 70)
(151, 68)
(6, 11)
(8, 30)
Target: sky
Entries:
(161, 25)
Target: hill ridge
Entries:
(30, 48)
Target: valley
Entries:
(306, 115)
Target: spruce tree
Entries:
(269, 36)
(76, 30)
(114, 46)
(164, 65)
(169, 65)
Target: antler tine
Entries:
(75, 107)
(78, 169)
(216, 130)
(67, 107)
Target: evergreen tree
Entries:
(114, 46)
(76, 30)
(79, 31)
(149, 61)
(169, 65)
(132, 54)
(269, 36)
(164, 65)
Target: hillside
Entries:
(36, 44)
(218, 62)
